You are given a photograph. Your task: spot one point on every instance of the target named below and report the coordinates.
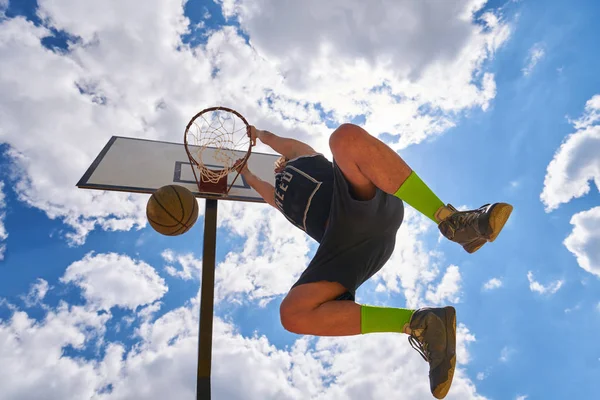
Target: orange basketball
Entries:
(172, 210)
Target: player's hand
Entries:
(241, 166)
(280, 164)
(253, 134)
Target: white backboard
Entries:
(143, 166)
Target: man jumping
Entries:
(353, 207)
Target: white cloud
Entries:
(591, 115)
(190, 267)
(464, 337)
(168, 255)
(577, 161)
(550, 288)
(536, 53)
(37, 292)
(368, 69)
(514, 185)
(584, 240)
(412, 267)
(3, 233)
(522, 397)
(49, 154)
(32, 360)
(506, 354)
(162, 364)
(269, 261)
(574, 308)
(109, 280)
(481, 376)
(492, 284)
(3, 5)
(448, 289)
(148, 311)
(112, 81)
(575, 164)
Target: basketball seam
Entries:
(177, 232)
(193, 209)
(182, 209)
(167, 211)
(163, 225)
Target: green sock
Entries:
(416, 193)
(383, 319)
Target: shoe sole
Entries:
(442, 390)
(472, 250)
(498, 217)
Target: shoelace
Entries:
(419, 347)
(466, 217)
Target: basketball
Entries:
(172, 210)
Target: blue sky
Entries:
(500, 105)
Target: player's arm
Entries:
(265, 189)
(289, 148)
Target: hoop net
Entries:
(224, 130)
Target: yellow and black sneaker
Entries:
(433, 335)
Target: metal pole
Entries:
(207, 300)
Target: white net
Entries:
(223, 131)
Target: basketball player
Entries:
(353, 207)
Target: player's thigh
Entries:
(344, 147)
(308, 296)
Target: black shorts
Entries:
(359, 239)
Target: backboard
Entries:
(143, 166)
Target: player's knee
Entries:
(292, 324)
(345, 135)
(291, 318)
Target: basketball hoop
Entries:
(228, 132)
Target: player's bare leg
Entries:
(311, 309)
(367, 162)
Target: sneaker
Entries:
(433, 335)
(474, 228)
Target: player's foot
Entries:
(433, 335)
(474, 228)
